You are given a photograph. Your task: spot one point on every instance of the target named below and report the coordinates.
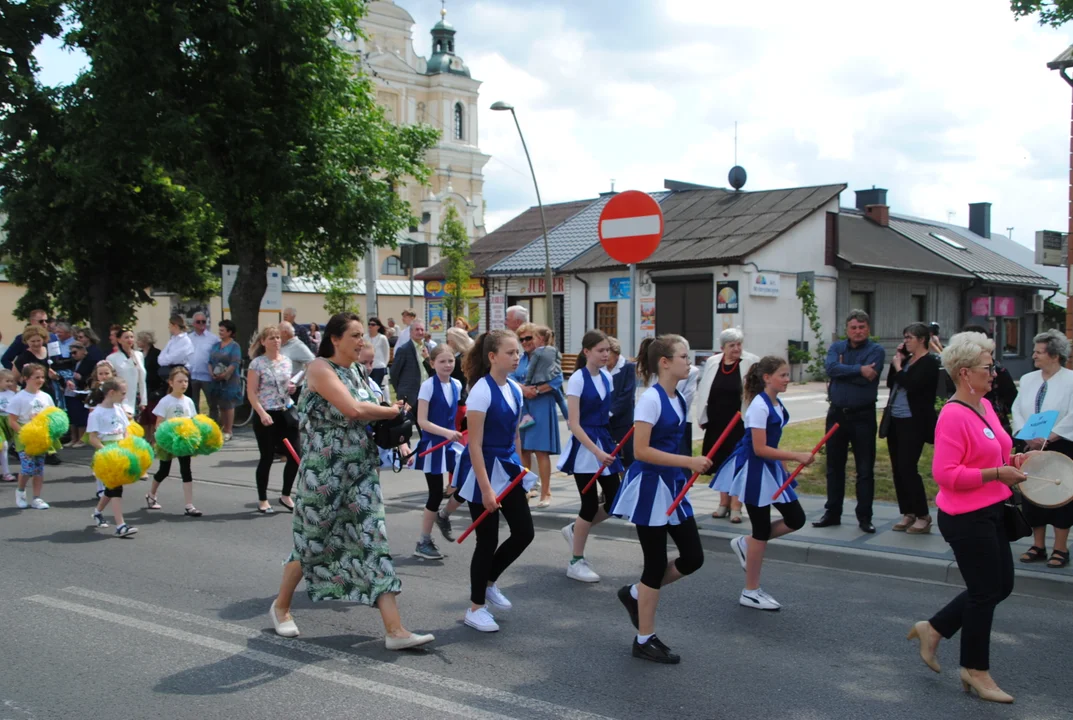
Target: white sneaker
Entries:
(766, 596)
(757, 600)
(481, 620)
(740, 549)
(582, 571)
(20, 499)
(39, 504)
(496, 598)
(568, 535)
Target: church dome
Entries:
(443, 59)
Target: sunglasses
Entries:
(527, 338)
(200, 322)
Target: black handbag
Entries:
(1017, 527)
(885, 421)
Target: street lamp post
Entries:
(500, 106)
(1062, 64)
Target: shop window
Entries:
(685, 306)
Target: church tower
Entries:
(438, 91)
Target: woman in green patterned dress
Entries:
(340, 542)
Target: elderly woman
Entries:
(718, 398)
(541, 437)
(340, 540)
(975, 470)
(1049, 388)
(913, 379)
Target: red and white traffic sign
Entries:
(631, 226)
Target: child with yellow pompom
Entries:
(174, 405)
(23, 408)
(107, 424)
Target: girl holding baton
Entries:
(656, 476)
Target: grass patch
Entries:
(803, 436)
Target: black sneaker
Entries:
(630, 604)
(52, 459)
(655, 651)
(443, 522)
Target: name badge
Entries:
(363, 393)
(988, 434)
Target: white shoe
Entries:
(481, 620)
(740, 549)
(287, 628)
(766, 596)
(568, 535)
(39, 504)
(582, 571)
(496, 598)
(411, 641)
(20, 499)
(757, 600)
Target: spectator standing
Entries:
(200, 377)
(542, 436)
(300, 331)
(179, 350)
(225, 390)
(3, 347)
(408, 317)
(381, 350)
(912, 379)
(517, 316)
(853, 366)
(18, 345)
(294, 349)
(129, 367)
(92, 342)
(411, 366)
(77, 412)
(34, 339)
(314, 336)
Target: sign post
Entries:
(630, 229)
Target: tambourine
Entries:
(1050, 479)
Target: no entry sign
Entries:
(631, 226)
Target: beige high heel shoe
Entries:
(994, 694)
(920, 631)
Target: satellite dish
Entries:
(737, 177)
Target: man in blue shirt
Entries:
(853, 366)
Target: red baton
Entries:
(434, 448)
(722, 438)
(801, 467)
(614, 454)
(499, 499)
(290, 449)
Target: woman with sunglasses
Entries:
(381, 349)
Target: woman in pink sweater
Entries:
(974, 470)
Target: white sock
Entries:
(751, 593)
(642, 639)
(4, 468)
(633, 591)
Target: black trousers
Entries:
(856, 428)
(653, 540)
(983, 555)
(490, 558)
(905, 442)
(165, 469)
(268, 438)
(590, 501)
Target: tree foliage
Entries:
(339, 297)
(1051, 12)
(807, 296)
(454, 247)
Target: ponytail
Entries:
(753, 384)
(475, 364)
(650, 352)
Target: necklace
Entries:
(733, 367)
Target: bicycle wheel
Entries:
(244, 412)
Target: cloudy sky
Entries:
(943, 103)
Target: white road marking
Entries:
(396, 693)
(406, 673)
(629, 227)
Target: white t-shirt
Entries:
(172, 407)
(425, 393)
(756, 416)
(480, 398)
(109, 423)
(25, 405)
(650, 406)
(576, 384)
(5, 399)
(374, 388)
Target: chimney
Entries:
(879, 214)
(980, 219)
(875, 196)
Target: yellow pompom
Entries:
(135, 429)
(212, 438)
(115, 466)
(34, 439)
(141, 449)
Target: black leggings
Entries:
(435, 491)
(590, 501)
(116, 492)
(165, 468)
(760, 517)
(654, 546)
(268, 439)
(490, 558)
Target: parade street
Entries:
(173, 623)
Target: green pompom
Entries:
(179, 437)
(212, 439)
(58, 422)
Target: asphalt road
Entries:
(173, 624)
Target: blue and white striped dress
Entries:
(500, 427)
(595, 418)
(648, 490)
(441, 411)
(744, 475)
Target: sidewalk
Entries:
(926, 557)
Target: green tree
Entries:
(807, 296)
(339, 297)
(454, 246)
(1051, 12)
(257, 106)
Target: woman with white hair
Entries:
(718, 398)
(1049, 388)
(975, 470)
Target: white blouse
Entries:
(1059, 397)
(131, 371)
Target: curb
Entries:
(836, 557)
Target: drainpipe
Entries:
(586, 284)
